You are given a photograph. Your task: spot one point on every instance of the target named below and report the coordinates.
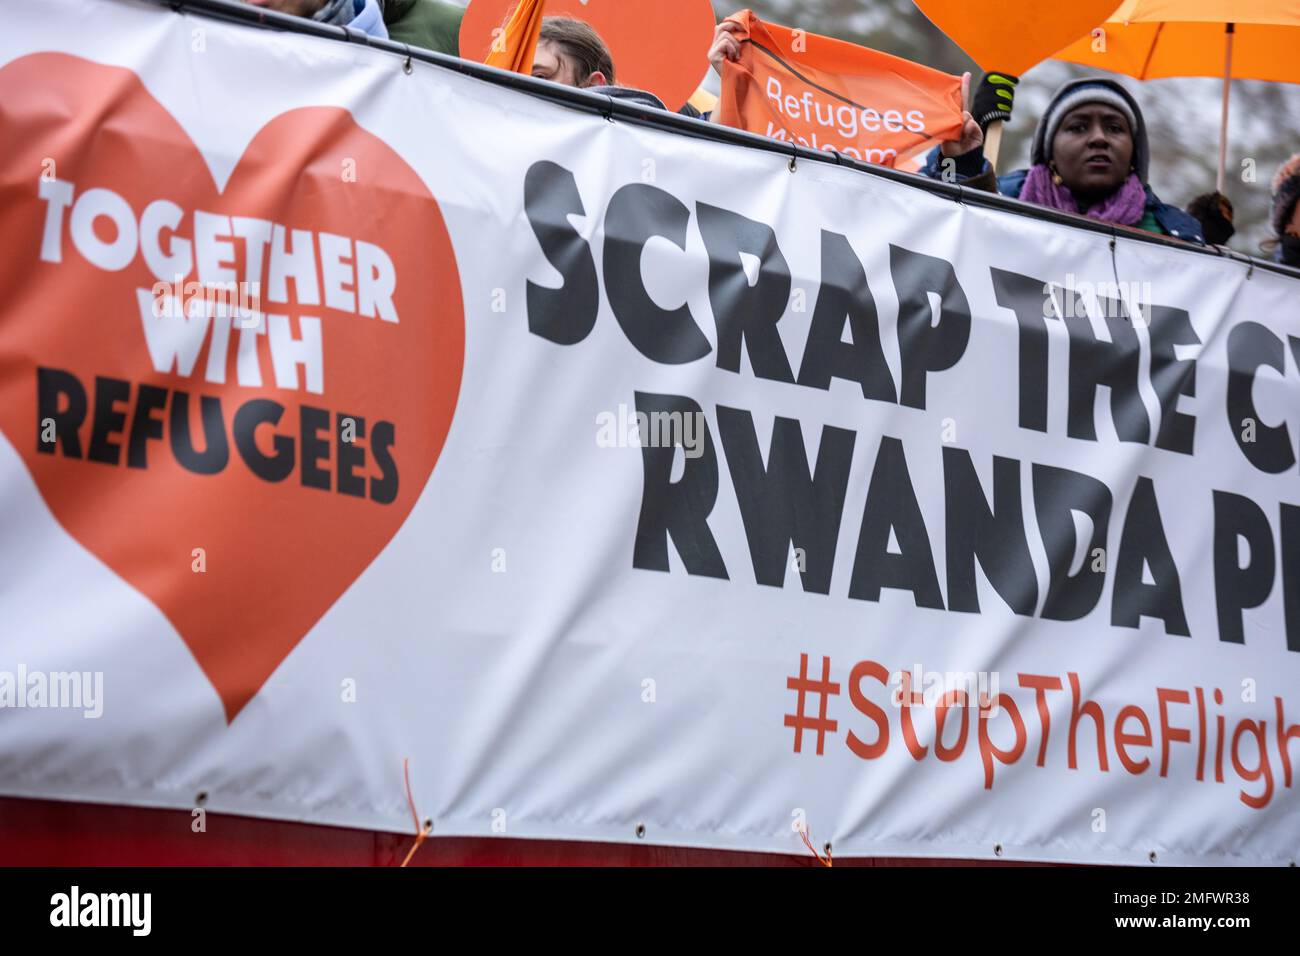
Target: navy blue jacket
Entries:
(1174, 221)
(1288, 251)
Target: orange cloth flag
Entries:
(827, 94)
(515, 46)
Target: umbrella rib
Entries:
(1151, 51)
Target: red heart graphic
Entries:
(291, 464)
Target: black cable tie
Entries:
(1114, 265)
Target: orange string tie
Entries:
(420, 830)
(803, 833)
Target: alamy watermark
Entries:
(132, 911)
(179, 299)
(636, 429)
(64, 690)
(920, 687)
(1114, 300)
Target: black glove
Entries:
(1214, 212)
(994, 98)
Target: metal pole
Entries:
(993, 143)
(1229, 31)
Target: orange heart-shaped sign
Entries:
(656, 45)
(239, 467)
(1013, 38)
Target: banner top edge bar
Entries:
(683, 125)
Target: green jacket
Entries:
(431, 24)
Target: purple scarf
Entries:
(1124, 206)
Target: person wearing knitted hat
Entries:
(1090, 156)
(1286, 213)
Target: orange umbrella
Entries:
(980, 28)
(1242, 39)
(515, 46)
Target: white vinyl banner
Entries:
(632, 486)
